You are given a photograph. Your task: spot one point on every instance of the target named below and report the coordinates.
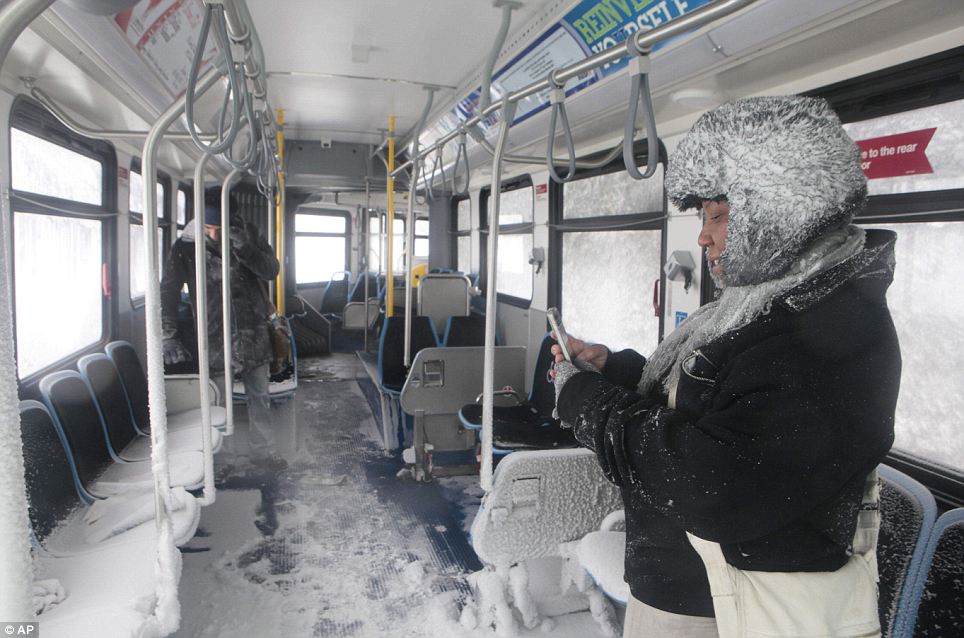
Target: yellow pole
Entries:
(389, 275)
(280, 215)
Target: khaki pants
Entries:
(643, 621)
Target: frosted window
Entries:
(319, 224)
(138, 253)
(398, 246)
(181, 207)
(318, 258)
(135, 200)
(515, 207)
(607, 286)
(464, 216)
(421, 227)
(514, 270)
(464, 258)
(944, 153)
(421, 247)
(58, 261)
(39, 166)
(613, 194)
(928, 310)
(375, 244)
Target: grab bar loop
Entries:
(437, 166)
(461, 156)
(639, 69)
(557, 101)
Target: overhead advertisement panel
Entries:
(164, 33)
(590, 27)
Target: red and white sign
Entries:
(896, 155)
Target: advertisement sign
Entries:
(896, 155)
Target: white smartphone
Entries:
(555, 322)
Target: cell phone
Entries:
(555, 322)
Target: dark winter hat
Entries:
(212, 216)
(788, 169)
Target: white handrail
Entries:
(201, 310)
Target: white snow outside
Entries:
(613, 194)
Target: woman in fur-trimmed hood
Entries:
(756, 422)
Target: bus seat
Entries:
(358, 288)
(908, 512)
(60, 518)
(125, 441)
(528, 425)
(311, 330)
(441, 296)
(336, 294)
(602, 554)
(462, 332)
(128, 366)
(391, 349)
(81, 427)
(938, 607)
(539, 500)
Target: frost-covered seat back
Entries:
(941, 582)
(540, 499)
(108, 390)
(51, 491)
(908, 512)
(128, 365)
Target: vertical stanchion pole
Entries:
(410, 256)
(488, 370)
(201, 310)
(280, 218)
(389, 267)
(366, 240)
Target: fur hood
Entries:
(788, 169)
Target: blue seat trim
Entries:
(946, 520)
(82, 366)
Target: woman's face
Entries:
(712, 238)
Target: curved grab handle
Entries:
(640, 91)
(557, 98)
(461, 156)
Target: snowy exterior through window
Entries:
(57, 258)
(928, 311)
(514, 276)
(138, 254)
(515, 207)
(607, 283)
(181, 218)
(464, 263)
(135, 202)
(613, 194)
(320, 246)
(39, 166)
(464, 216)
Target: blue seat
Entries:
(391, 349)
(336, 294)
(937, 607)
(358, 288)
(907, 515)
(462, 332)
(528, 425)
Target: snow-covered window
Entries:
(928, 311)
(514, 273)
(181, 218)
(321, 246)
(59, 205)
(138, 252)
(421, 238)
(610, 235)
(463, 235)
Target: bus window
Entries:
(181, 218)
(59, 246)
(321, 246)
(421, 238)
(138, 255)
(463, 235)
(622, 219)
(514, 273)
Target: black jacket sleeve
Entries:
(255, 254)
(624, 368)
(781, 431)
(176, 273)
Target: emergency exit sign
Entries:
(896, 155)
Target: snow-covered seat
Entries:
(79, 423)
(125, 441)
(62, 521)
(181, 414)
(602, 553)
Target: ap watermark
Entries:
(31, 629)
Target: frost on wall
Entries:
(607, 287)
(928, 310)
(944, 152)
(613, 194)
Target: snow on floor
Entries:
(334, 544)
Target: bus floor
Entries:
(333, 544)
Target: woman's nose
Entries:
(704, 240)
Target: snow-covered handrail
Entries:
(201, 309)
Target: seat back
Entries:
(79, 423)
(443, 295)
(391, 348)
(542, 394)
(52, 491)
(105, 384)
(358, 289)
(464, 332)
(336, 294)
(940, 581)
(907, 515)
(128, 365)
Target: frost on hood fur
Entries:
(788, 169)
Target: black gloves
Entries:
(174, 352)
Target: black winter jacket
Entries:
(775, 428)
(252, 264)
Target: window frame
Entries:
(454, 231)
(650, 220)
(523, 181)
(165, 223)
(30, 116)
(347, 235)
(188, 205)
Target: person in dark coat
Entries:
(252, 265)
(757, 421)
